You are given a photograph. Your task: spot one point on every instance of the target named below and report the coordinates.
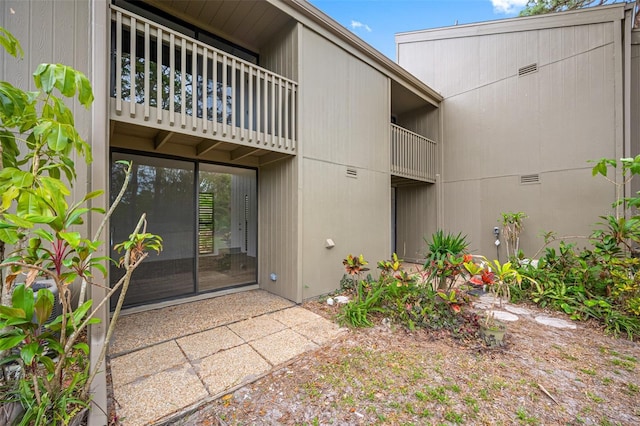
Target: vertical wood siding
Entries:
(354, 212)
(415, 219)
(635, 102)
(278, 230)
(345, 107)
(425, 123)
(280, 55)
(498, 126)
(51, 32)
(345, 123)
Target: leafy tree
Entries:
(539, 7)
(38, 222)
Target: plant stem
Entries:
(116, 313)
(107, 216)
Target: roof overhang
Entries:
(323, 24)
(591, 15)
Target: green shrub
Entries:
(397, 296)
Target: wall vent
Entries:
(525, 179)
(352, 173)
(528, 69)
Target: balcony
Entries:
(413, 156)
(175, 85)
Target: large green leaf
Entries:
(22, 298)
(8, 196)
(13, 104)
(81, 311)
(45, 77)
(31, 204)
(22, 179)
(54, 185)
(58, 137)
(39, 219)
(18, 220)
(10, 312)
(9, 236)
(85, 93)
(75, 217)
(10, 44)
(44, 234)
(44, 305)
(65, 79)
(9, 148)
(48, 363)
(30, 351)
(73, 238)
(11, 341)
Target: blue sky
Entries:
(377, 21)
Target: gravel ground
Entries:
(381, 375)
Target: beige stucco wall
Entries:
(344, 123)
(498, 126)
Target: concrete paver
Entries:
(555, 322)
(255, 328)
(169, 360)
(232, 367)
(282, 346)
(128, 368)
(294, 316)
(209, 342)
(503, 316)
(144, 401)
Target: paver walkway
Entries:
(169, 361)
(511, 313)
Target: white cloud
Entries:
(359, 25)
(508, 6)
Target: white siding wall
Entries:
(498, 126)
(344, 123)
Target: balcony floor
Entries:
(204, 350)
(144, 137)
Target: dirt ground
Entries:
(388, 375)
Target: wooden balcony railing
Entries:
(177, 83)
(413, 156)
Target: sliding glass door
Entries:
(227, 218)
(163, 189)
(206, 215)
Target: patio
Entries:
(167, 362)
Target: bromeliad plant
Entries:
(49, 376)
(444, 260)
